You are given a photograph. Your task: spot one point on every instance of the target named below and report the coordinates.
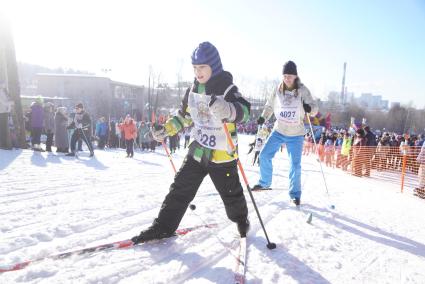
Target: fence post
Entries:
(403, 169)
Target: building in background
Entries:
(100, 95)
(366, 100)
(370, 101)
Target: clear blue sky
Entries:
(383, 42)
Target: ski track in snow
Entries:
(51, 203)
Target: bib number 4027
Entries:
(208, 140)
(287, 114)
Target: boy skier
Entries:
(81, 124)
(211, 100)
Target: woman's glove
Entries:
(307, 107)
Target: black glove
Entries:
(260, 120)
(307, 107)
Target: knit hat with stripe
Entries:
(206, 53)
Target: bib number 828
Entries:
(208, 140)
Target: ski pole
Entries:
(232, 145)
(320, 163)
(172, 163)
(168, 155)
(155, 126)
(87, 141)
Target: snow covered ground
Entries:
(51, 203)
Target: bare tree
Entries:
(396, 119)
(157, 93)
(179, 79)
(151, 75)
(10, 68)
(377, 119)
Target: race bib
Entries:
(258, 144)
(208, 130)
(288, 108)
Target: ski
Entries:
(109, 246)
(269, 189)
(240, 265)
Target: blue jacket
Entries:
(101, 129)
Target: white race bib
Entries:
(288, 108)
(208, 130)
(259, 144)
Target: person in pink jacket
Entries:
(130, 133)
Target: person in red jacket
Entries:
(130, 133)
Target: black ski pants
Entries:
(79, 134)
(129, 143)
(49, 140)
(257, 153)
(186, 183)
(35, 135)
(102, 141)
(186, 141)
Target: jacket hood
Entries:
(218, 84)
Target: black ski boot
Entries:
(243, 227)
(154, 232)
(296, 201)
(259, 187)
(71, 154)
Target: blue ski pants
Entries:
(294, 147)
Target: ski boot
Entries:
(259, 187)
(243, 227)
(154, 232)
(296, 201)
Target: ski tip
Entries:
(15, 267)
(310, 218)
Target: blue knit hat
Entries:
(206, 53)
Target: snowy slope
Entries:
(51, 203)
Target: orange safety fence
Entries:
(391, 164)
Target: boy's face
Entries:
(202, 73)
